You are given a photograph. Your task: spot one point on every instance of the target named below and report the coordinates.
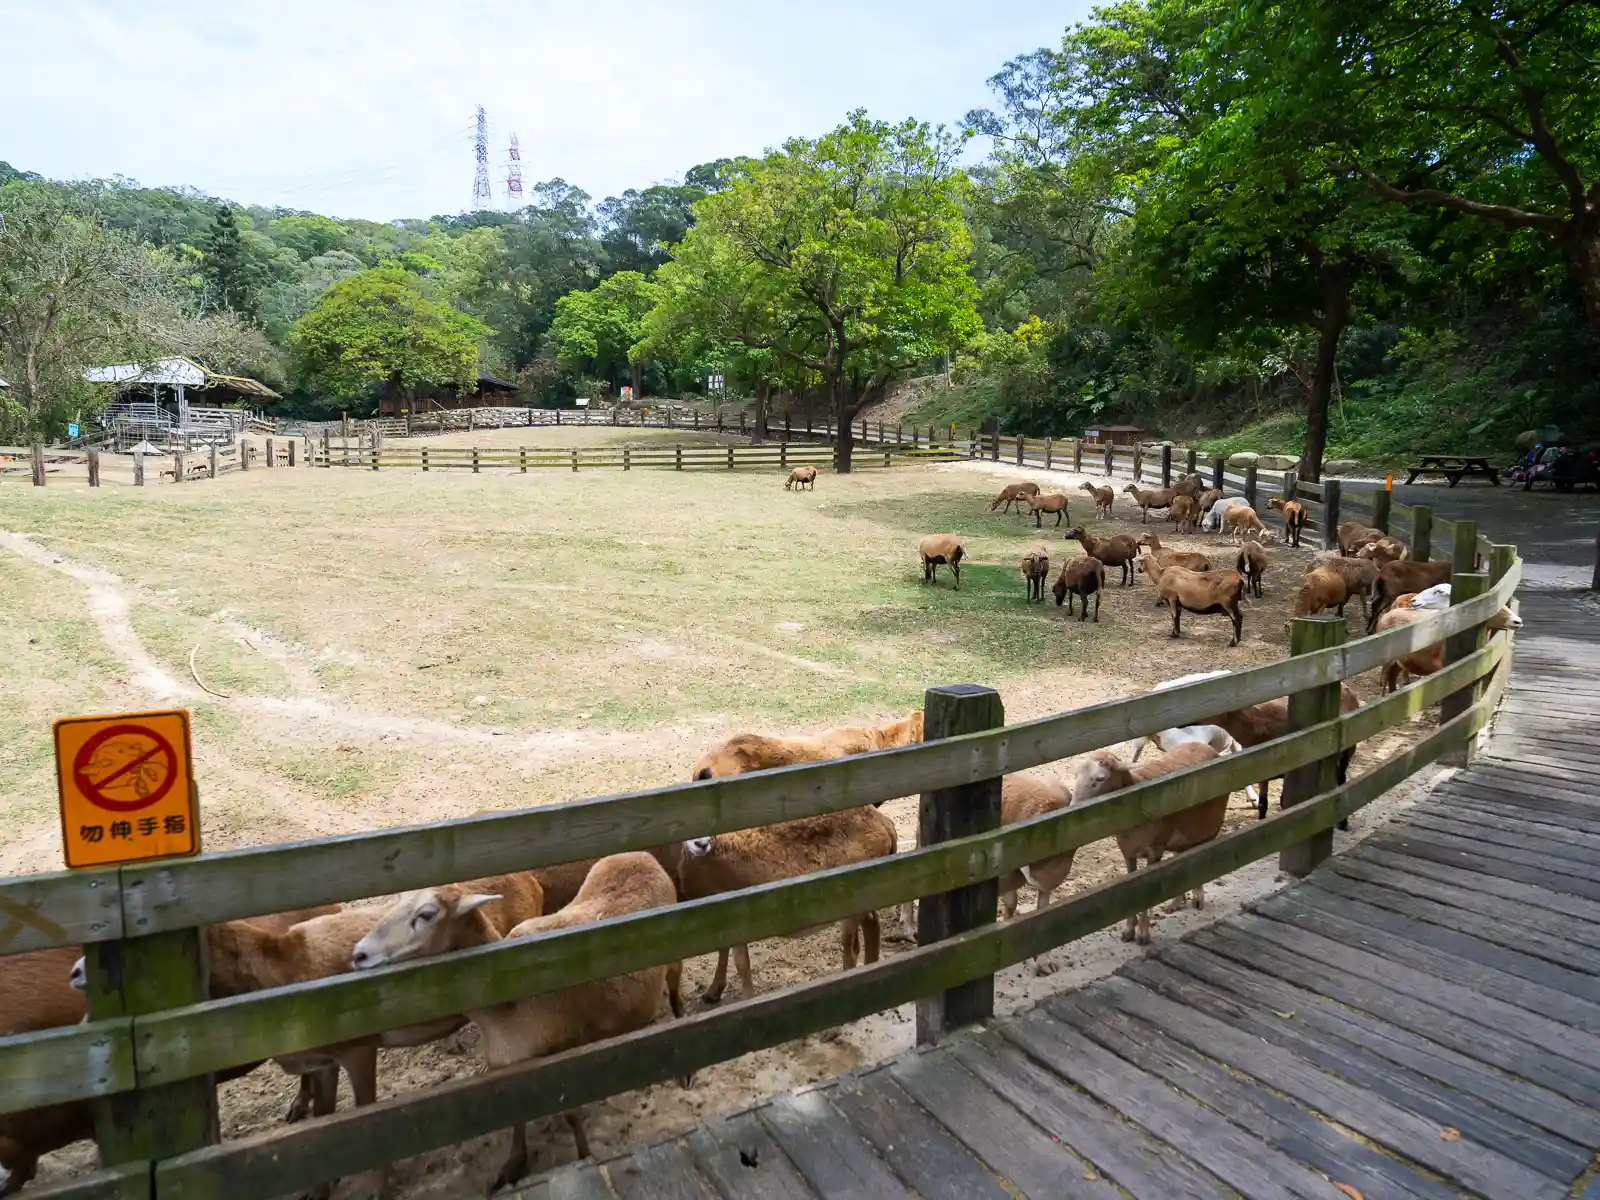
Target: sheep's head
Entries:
(1076, 531)
(1059, 590)
(1435, 597)
(699, 847)
(1131, 489)
(418, 925)
(1275, 503)
(1505, 619)
(1152, 540)
(1094, 775)
(80, 975)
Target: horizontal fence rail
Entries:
(181, 1044)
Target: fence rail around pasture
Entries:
(154, 1041)
(1328, 505)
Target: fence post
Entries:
(293, 447)
(730, 452)
(244, 455)
(1381, 501)
(94, 468)
(1422, 532)
(1250, 485)
(474, 460)
(141, 975)
(953, 813)
(880, 433)
(863, 431)
(138, 468)
(1330, 514)
(1219, 474)
(1077, 455)
(808, 424)
(1501, 556)
(424, 458)
(522, 459)
(574, 459)
(1192, 463)
(678, 451)
(627, 459)
(900, 435)
(272, 453)
(327, 450)
(1138, 462)
(1048, 445)
(1110, 464)
(1594, 584)
(1307, 708)
(212, 463)
(37, 452)
(783, 454)
(177, 466)
(1019, 449)
(994, 446)
(1166, 466)
(1464, 549)
(1289, 486)
(1464, 586)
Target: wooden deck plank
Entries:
(1013, 1146)
(665, 1171)
(1493, 1047)
(922, 1152)
(1531, 895)
(1533, 955)
(1117, 1148)
(1506, 833)
(823, 1147)
(1509, 847)
(1506, 1134)
(739, 1156)
(1467, 1163)
(1283, 1124)
(1475, 856)
(1567, 1118)
(1511, 780)
(1541, 802)
(1234, 1155)
(580, 1181)
(1568, 834)
(1543, 817)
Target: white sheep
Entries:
(1212, 523)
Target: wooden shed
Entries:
(1117, 435)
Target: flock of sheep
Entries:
(42, 989)
(1185, 581)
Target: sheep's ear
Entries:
(471, 903)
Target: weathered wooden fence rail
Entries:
(1328, 505)
(154, 1043)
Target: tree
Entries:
(846, 255)
(1491, 111)
(231, 273)
(378, 329)
(594, 332)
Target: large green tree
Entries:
(379, 329)
(845, 255)
(594, 332)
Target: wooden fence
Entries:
(147, 1055)
(1430, 537)
(773, 457)
(178, 466)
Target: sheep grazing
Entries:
(1118, 551)
(1104, 497)
(1035, 570)
(746, 752)
(1083, 576)
(1023, 797)
(1359, 575)
(939, 548)
(1384, 550)
(1252, 564)
(1212, 522)
(1242, 520)
(1174, 558)
(1203, 592)
(1161, 498)
(1208, 500)
(1190, 485)
(1294, 519)
(801, 478)
(1014, 493)
(751, 857)
(1320, 588)
(1352, 535)
(1101, 773)
(539, 1025)
(1398, 578)
(1055, 502)
(1183, 513)
(1430, 659)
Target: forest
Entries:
(1354, 230)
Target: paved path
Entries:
(1420, 1019)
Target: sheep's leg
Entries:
(1059, 514)
(1008, 904)
(719, 980)
(361, 1065)
(1097, 592)
(1071, 596)
(675, 987)
(956, 567)
(871, 938)
(1237, 614)
(1143, 935)
(741, 961)
(1261, 799)
(1198, 896)
(516, 1164)
(1177, 614)
(580, 1136)
(908, 921)
(847, 941)
(1130, 929)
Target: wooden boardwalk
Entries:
(1420, 1019)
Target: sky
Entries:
(361, 109)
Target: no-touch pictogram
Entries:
(127, 790)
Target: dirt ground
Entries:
(400, 647)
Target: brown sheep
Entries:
(1359, 575)
(1101, 773)
(1352, 535)
(801, 478)
(1190, 485)
(1430, 659)
(1294, 519)
(1398, 578)
(1035, 570)
(786, 850)
(1384, 550)
(1012, 493)
(1104, 497)
(1257, 723)
(1190, 559)
(1118, 551)
(746, 752)
(1208, 499)
(1242, 520)
(939, 548)
(1161, 498)
(1203, 592)
(35, 994)
(1055, 502)
(1252, 564)
(1320, 588)
(1023, 797)
(1183, 513)
(1083, 576)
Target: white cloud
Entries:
(366, 110)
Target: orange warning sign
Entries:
(127, 791)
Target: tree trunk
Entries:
(1335, 317)
(1583, 259)
(638, 381)
(763, 390)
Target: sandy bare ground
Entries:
(405, 649)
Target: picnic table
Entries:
(1453, 466)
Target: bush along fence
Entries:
(147, 1056)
